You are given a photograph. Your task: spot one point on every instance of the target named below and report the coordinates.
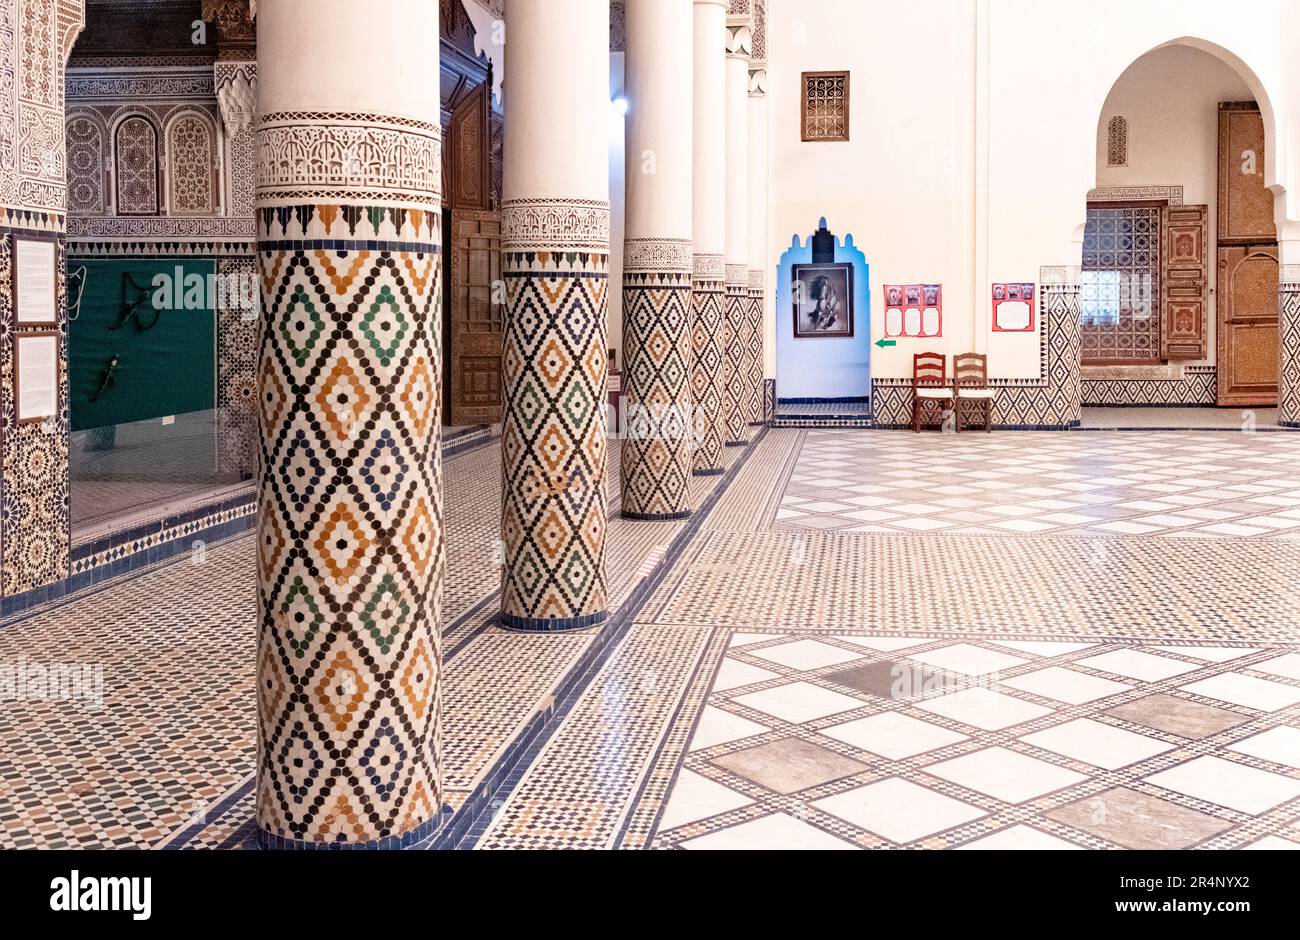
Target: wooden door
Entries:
(1185, 283)
(1248, 352)
(477, 289)
(1247, 302)
(1245, 204)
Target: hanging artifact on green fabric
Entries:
(144, 342)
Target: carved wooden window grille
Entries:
(1117, 142)
(825, 106)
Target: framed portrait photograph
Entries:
(823, 301)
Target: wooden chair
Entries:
(930, 386)
(971, 377)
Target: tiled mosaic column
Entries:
(736, 345)
(1288, 414)
(555, 259)
(1059, 404)
(754, 326)
(656, 462)
(350, 540)
(709, 233)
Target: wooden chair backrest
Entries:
(929, 369)
(971, 370)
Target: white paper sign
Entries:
(35, 263)
(38, 377)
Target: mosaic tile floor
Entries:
(858, 740)
(779, 685)
(826, 689)
(1166, 485)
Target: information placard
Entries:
(35, 281)
(36, 375)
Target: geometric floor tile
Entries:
(1020, 837)
(1135, 664)
(789, 765)
(733, 674)
(1005, 775)
(719, 727)
(1135, 820)
(967, 659)
(1277, 745)
(981, 708)
(899, 811)
(1042, 648)
(1095, 743)
(798, 702)
(695, 798)
(1286, 667)
(890, 680)
(1227, 783)
(779, 831)
(805, 654)
(1179, 716)
(1065, 685)
(885, 644)
(1211, 654)
(1263, 694)
(892, 735)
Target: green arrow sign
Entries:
(886, 343)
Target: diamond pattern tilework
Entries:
(554, 437)
(350, 544)
(754, 351)
(708, 384)
(1096, 485)
(657, 355)
(1289, 335)
(936, 775)
(735, 370)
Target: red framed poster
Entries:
(1013, 308)
(913, 311)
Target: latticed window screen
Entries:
(825, 106)
(1117, 142)
(1121, 285)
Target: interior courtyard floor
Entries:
(848, 646)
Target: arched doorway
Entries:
(1180, 295)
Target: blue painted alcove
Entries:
(823, 369)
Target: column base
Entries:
(709, 473)
(736, 444)
(657, 516)
(417, 838)
(551, 624)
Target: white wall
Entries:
(972, 164)
(902, 186)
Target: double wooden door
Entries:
(1248, 344)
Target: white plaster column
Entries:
(756, 324)
(656, 459)
(555, 261)
(350, 540)
(736, 374)
(709, 213)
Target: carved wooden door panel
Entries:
(1248, 342)
(477, 289)
(1245, 204)
(1185, 282)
